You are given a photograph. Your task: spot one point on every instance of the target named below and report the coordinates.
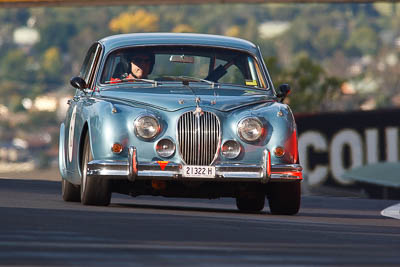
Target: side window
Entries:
(84, 73)
(88, 64)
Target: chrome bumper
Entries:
(132, 170)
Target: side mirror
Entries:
(284, 90)
(78, 83)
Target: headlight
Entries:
(231, 149)
(147, 127)
(165, 148)
(250, 129)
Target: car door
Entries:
(76, 115)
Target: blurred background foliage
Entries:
(334, 56)
(138, 21)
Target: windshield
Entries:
(184, 64)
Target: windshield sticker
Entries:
(251, 83)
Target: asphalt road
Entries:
(37, 228)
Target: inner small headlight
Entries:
(231, 149)
(165, 148)
(250, 129)
(147, 127)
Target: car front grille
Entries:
(198, 137)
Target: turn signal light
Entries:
(279, 151)
(117, 148)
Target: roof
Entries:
(132, 39)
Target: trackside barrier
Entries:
(352, 149)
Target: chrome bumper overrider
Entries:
(132, 170)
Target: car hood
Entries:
(172, 98)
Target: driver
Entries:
(140, 66)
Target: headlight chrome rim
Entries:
(240, 127)
(137, 125)
(231, 154)
(165, 154)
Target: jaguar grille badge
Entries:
(198, 111)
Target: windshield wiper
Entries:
(139, 80)
(189, 79)
(155, 83)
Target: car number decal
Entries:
(71, 134)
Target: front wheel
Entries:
(251, 203)
(284, 197)
(70, 192)
(94, 190)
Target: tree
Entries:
(14, 66)
(327, 41)
(313, 89)
(52, 65)
(183, 28)
(56, 34)
(139, 21)
(363, 41)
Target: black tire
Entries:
(94, 190)
(284, 197)
(70, 192)
(251, 203)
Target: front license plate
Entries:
(198, 171)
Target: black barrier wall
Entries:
(332, 143)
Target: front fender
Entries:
(285, 134)
(281, 131)
(106, 127)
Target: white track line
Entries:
(392, 211)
